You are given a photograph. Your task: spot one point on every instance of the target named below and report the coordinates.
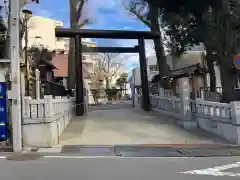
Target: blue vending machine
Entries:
(3, 111)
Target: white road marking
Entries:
(111, 157)
(216, 171)
(3, 157)
(50, 150)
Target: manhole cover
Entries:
(146, 152)
(24, 157)
(210, 152)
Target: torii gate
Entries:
(78, 34)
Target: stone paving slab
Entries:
(126, 125)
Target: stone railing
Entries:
(137, 99)
(167, 93)
(212, 110)
(45, 119)
(222, 119)
(167, 105)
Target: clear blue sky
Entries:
(105, 14)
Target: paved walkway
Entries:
(123, 125)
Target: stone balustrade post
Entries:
(37, 74)
(235, 118)
(161, 92)
(48, 106)
(185, 105)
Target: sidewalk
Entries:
(129, 126)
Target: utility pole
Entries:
(15, 95)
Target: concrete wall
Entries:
(62, 44)
(45, 134)
(45, 119)
(223, 129)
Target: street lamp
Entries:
(26, 18)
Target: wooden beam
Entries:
(111, 34)
(110, 49)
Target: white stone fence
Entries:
(165, 93)
(222, 119)
(45, 119)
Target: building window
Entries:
(153, 68)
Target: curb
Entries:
(6, 149)
(30, 149)
(200, 146)
(179, 147)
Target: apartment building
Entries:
(42, 31)
(152, 69)
(61, 61)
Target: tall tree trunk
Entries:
(71, 54)
(158, 43)
(228, 79)
(211, 70)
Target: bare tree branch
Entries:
(110, 63)
(141, 18)
(80, 8)
(83, 23)
(132, 7)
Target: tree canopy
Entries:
(215, 23)
(122, 80)
(3, 31)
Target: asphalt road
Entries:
(69, 167)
